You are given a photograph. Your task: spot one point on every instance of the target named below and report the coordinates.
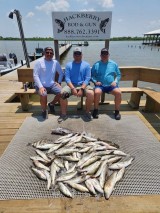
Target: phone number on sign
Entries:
(81, 31)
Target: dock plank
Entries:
(12, 117)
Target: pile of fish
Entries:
(79, 161)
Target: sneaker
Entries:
(45, 114)
(87, 116)
(117, 115)
(51, 108)
(95, 113)
(62, 118)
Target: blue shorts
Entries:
(106, 89)
(54, 89)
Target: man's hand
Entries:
(98, 83)
(42, 91)
(74, 92)
(113, 84)
(80, 93)
(57, 84)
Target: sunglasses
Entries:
(51, 53)
(105, 53)
(77, 53)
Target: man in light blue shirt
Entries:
(44, 77)
(106, 76)
(77, 76)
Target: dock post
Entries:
(56, 48)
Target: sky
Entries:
(129, 17)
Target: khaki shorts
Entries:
(67, 89)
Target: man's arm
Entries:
(36, 78)
(118, 74)
(60, 72)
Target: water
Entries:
(125, 53)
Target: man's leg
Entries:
(43, 102)
(117, 94)
(89, 100)
(97, 95)
(64, 103)
(56, 99)
(56, 90)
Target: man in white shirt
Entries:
(44, 77)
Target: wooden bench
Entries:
(26, 75)
(136, 94)
(152, 101)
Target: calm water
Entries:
(125, 53)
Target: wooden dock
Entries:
(12, 117)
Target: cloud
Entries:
(57, 5)
(107, 3)
(30, 15)
(89, 9)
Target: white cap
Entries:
(77, 49)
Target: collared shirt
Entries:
(78, 73)
(45, 71)
(106, 73)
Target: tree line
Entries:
(124, 38)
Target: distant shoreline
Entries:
(125, 38)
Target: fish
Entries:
(48, 176)
(103, 176)
(79, 161)
(90, 161)
(78, 186)
(60, 131)
(103, 24)
(67, 176)
(65, 151)
(54, 170)
(40, 165)
(120, 165)
(120, 174)
(64, 189)
(42, 154)
(109, 185)
(97, 185)
(90, 186)
(42, 144)
(37, 157)
(91, 169)
(119, 152)
(60, 24)
(39, 173)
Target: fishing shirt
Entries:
(106, 73)
(78, 73)
(44, 72)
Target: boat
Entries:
(8, 64)
(37, 54)
(86, 43)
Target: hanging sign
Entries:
(81, 25)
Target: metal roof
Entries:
(155, 32)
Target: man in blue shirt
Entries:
(77, 76)
(106, 76)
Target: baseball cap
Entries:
(104, 50)
(77, 49)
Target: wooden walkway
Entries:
(12, 117)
